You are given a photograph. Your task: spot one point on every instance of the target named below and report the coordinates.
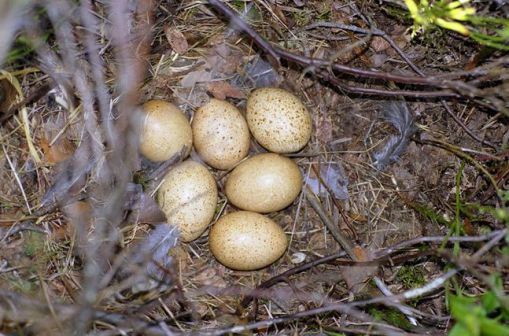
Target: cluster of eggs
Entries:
(263, 183)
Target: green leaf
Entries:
(491, 327)
(490, 301)
(459, 330)
(466, 313)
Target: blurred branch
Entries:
(10, 21)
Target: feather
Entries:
(398, 115)
(154, 257)
(157, 245)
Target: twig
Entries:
(387, 292)
(400, 52)
(241, 24)
(16, 177)
(437, 282)
(341, 307)
(32, 97)
(324, 64)
(285, 275)
(462, 155)
(338, 236)
(334, 201)
(404, 244)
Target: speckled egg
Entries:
(220, 134)
(247, 241)
(165, 131)
(278, 120)
(264, 183)
(188, 198)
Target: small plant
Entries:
(456, 16)
(485, 315)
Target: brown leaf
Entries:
(224, 60)
(143, 208)
(379, 44)
(8, 95)
(209, 277)
(279, 13)
(356, 276)
(176, 39)
(360, 253)
(324, 129)
(194, 77)
(469, 228)
(58, 152)
(222, 89)
(79, 215)
(10, 216)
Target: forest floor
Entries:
(427, 219)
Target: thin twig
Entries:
(16, 177)
(320, 65)
(407, 243)
(336, 233)
(400, 52)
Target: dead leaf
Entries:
(378, 60)
(357, 217)
(357, 276)
(469, 228)
(194, 77)
(80, 220)
(58, 152)
(279, 13)
(8, 95)
(360, 253)
(10, 216)
(324, 128)
(379, 44)
(224, 60)
(142, 207)
(209, 277)
(177, 40)
(222, 89)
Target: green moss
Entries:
(325, 15)
(411, 277)
(252, 14)
(34, 244)
(21, 285)
(142, 179)
(429, 213)
(391, 316)
(301, 17)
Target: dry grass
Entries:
(69, 156)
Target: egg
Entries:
(264, 183)
(278, 120)
(220, 134)
(188, 198)
(165, 131)
(247, 241)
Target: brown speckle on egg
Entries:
(188, 197)
(221, 135)
(278, 120)
(247, 241)
(165, 131)
(264, 183)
